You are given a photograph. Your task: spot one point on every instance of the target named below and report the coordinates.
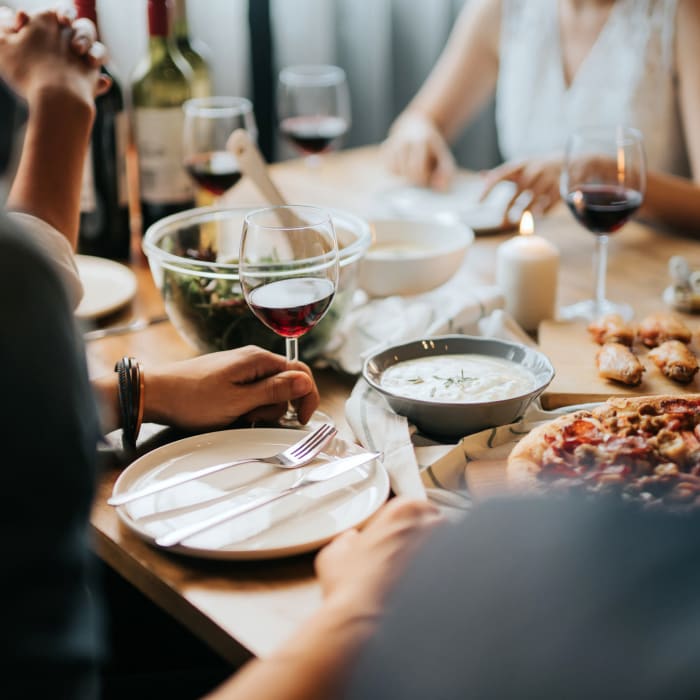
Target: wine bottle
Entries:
(193, 52)
(104, 206)
(161, 83)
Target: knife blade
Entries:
(138, 325)
(312, 477)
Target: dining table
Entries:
(246, 609)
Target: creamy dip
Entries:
(383, 251)
(458, 378)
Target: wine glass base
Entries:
(317, 418)
(591, 309)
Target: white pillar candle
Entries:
(527, 267)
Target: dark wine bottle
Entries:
(104, 205)
(162, 82)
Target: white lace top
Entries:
(628, 77)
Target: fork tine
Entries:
(310, 436)
(319, 438)
(310, 445)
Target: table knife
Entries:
(314, 476)
(137, 325)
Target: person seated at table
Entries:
(555, 66)
(56, 73)
(50, 640)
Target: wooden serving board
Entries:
(572, 351)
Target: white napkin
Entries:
(419, 467)
(455, 307)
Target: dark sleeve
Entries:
(49, 632)
(544, 600)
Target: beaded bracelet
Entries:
(131, 399)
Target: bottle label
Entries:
(88, 201)
(162, 175)
(121, 136)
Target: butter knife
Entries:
(312, 477)
(138, 325)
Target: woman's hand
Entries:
(417, 150)
(214, 390)
(537, 176)
(47, 51)
(358, 568)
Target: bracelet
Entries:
(131, 399)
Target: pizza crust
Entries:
(525, 459)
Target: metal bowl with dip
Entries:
(455, 385)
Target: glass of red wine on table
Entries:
(288, 269)
(313, 106)
(603, 180)
(209, 121)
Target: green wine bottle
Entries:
(193, 51)
(161, 83)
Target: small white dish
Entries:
(462, 200)
(295, 524)
(108, 286)
(412, 257)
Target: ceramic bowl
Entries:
(455, 420)
(412, 257)
(193, 257)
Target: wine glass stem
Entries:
(292, 353)
(601, 269)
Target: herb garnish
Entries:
(460, 380)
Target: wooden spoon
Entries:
(253, 165)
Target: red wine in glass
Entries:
(603, 209)
(215, 172)
(313, 134)
(291, 307)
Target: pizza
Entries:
(644, 449)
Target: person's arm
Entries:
(44, 60)
(356, 572)
(214, 390)
(458, 86)
(672, 199)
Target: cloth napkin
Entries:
(422, 468)
(455, 307)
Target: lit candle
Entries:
(526, 270)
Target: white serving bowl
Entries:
(412, 257)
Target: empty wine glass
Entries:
(603, 180)
(288, 269)
(209, 121)
(313, 106)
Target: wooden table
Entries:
(241, 609)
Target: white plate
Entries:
(108, 286)
(297, 523)
(461, 200)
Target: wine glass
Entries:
(313, 106)
(602, 181)
(288, 269)
(209, 121)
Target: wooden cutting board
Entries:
(572, 351)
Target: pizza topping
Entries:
(646, 451)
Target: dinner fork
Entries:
(297, 455)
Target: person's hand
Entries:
(416, 150)
(47, 51)
(358, 569)
(214, 390)
(538, 176)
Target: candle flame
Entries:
(620, 166)
(527, 224)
